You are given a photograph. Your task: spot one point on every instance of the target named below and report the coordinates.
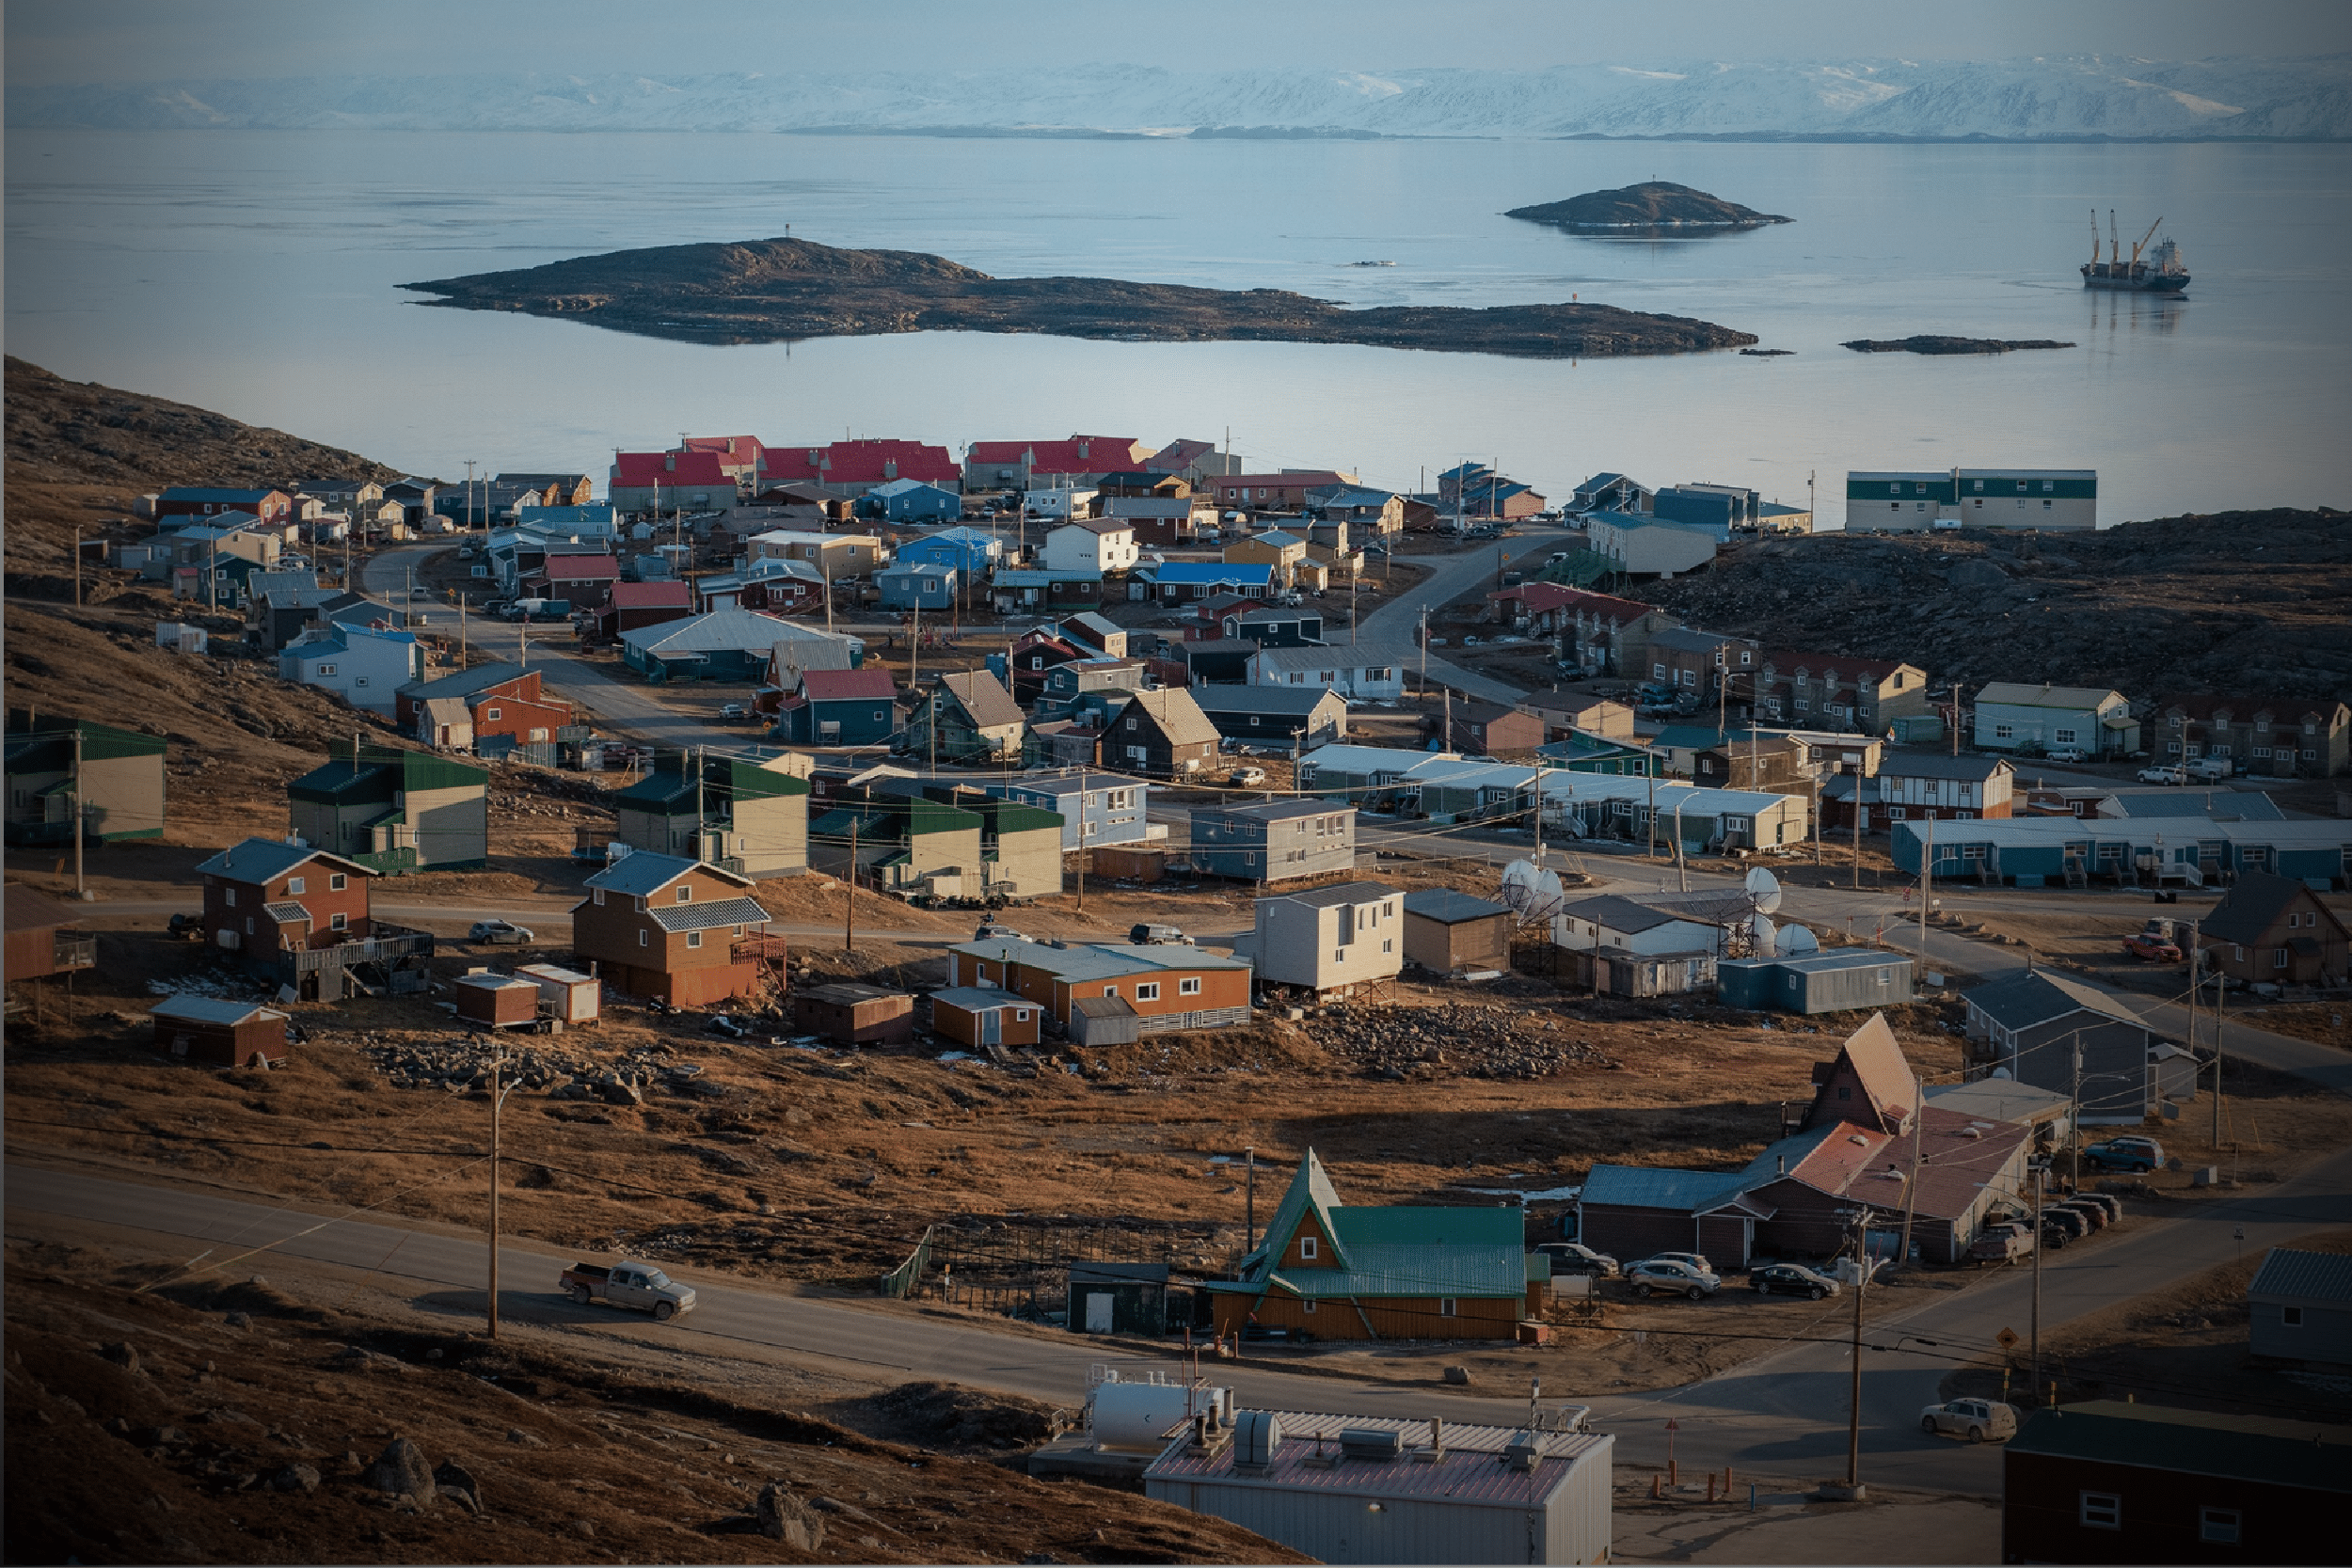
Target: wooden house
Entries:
(2274, 930)
(1169, 986)
(1448, 932)
(216, 1032)
(1380, 1271)
(41, 936)
(982, 1016)
(121, 783)
(850, 1014)
(682, 930)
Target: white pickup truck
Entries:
(639, 1286)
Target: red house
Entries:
(643, 603)
(1080, 461)
(189, 500)
(265, 894)
(660, 481)
(1286, 491)
(458, 711)
(846, 470)
(586, 580)
(740, 455)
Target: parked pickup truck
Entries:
(625, 1284)
(2001, 1243)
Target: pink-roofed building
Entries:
(845, 470)
(657, 481)
(586, 580)
(1076, 463)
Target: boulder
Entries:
(123, 1354)
(455, 1479)
(401, 1471)
(782, 1517)
(295, 1478)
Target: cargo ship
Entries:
(2157, 270)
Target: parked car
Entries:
(736, 711)
(1246, 778)
(1790, 1279)
(419, 593)
(186, 927)
(2132, 1152)
(2165, 773)
(2094, 1213)
(1978, 1420)
(2153, 945)
(2066, 1224)
(1694, 1259)
(1158, 936)
(641, 1286)
(2068, 754)
(1664, 1275)
(498, 931)
(1576, 1258)
(2109, 1201)
(990, 931)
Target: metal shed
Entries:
(983, 1016)
(855, 1014)
(1818, 982)
(495, 1001)
(1378, 1489)
(1447, 931)
(2299, 1307)
(1105, 1021)
(567, 995)
(220, 1033)
(1119, 1298)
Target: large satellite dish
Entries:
(1795, 942)
(1764, 889)
(1760, 928)
(1551, 898)
(1520, 881)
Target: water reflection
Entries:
(2130, 310)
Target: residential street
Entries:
(1451, 577)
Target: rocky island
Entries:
(1924, 342)
(1655, 206)
(773, 291)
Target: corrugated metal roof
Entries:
(1472, 1472)
(264, 859)
(1448, 908)
(701, 917)
(210, 1010)
(2022, 1001)
(284, 911)
(643, 874)
(1998, 1100)
(2302, 1454)
(2308, 1276)
(1659, 1187)
(977, 998)
(2018, 694)
(1616, 914)
(2221, 806)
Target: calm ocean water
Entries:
(255, 272)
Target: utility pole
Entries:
(1911, 1185)
(1082, 841)
(2220, 996)
(1817, 816)
(1853, 1393)
(77, 566)
(1955, 718)
(1249, 1231)
(498, 1102)
(1681, 871)
(848, 912)
(1861, 809)
(2040, 1173)
(1927, 883)
(81, 891)
(461, 655)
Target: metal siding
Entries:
(1630, 1233)
(2325, 1335)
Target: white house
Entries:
(364, 665)
(1370, 672)
(2015, 717)
(1609, 921)
(1091, 545)
(1320, 939)
(1645, 547)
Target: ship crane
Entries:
(2144, 239)
(2115, 248)
(2095, 236)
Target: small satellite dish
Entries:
(1760, 928)
(1764, 889)
(1794, 942)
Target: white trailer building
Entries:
(1383, 1489)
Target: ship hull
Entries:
(2157, 283)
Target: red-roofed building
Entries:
(586, 580)
(643, 603)
(650, 481)
(1828, 690)
(740, 455)
(1600, 631)
(1285, 492)
(1076, 463)
(846, 470)
(840, 707)
(1033, 655)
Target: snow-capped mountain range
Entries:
(2070, 97)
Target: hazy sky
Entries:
(130, 40)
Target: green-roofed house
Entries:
(395, 811)
(747, 814)
(970, 845)
(121, 780)
(1384, 1272)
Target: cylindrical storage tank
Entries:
(1138, 1414)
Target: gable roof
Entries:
(1622, 914)
(2297, 709)
(983, 697)
(1936, 766)
(2324, 1277)
(264, 859)
(1841, 665)
(1886, 1076)
(671, 469)
(2022, 1001)
(1255, 574)
(1080, 454)
(868, 460)
(1178, 716)
(2020, 694)
(2218, 805)
(669, 593)
(1285, 700)
(1336, 894)
(2253, 905)
(1349, 656)
(463, 683)
(869, 684)
(645, 873)
(29, 908)
(1657, 1187)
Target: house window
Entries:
(685, 895)
(597, 896)
(2101, 1510)
(1388, 945)
(2290, 1317)
(694, 938)
(2066, 738)
(361, 681)
(337, 882)
(1339, 955)
(2278, 958)
(1307, 1306)
(2218, 1524)
(1148, 990)
(228, 896)
(337, 921)
(1445, 1307)
(641, 940)
(2004, 732)
(1021, 1014)
(248, 925)
(1307, 1249)
(295, 886)
(1189, 987)
(327, 670)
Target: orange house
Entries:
(1333, 1271)
(681, 930)
(1170, 986)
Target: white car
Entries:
(2068, 754)
(2165, 773)
(1978, 1420)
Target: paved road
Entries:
(1452, 576)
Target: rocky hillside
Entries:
(2252, 602)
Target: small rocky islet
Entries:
(1652, 206)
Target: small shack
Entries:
(1818, 982)
(1452, 933)
(1105, 1021)
(1126, 863)
(853, 1014)
(2299, 1308)
(565, 995)
(217, 1033)
(1119, 1298)
(492, 1001)
(41, 938)
(981, 1016)
(1618, 972)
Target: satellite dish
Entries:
(1760, 928)
(1794, 942)
(1549, 896)
(1520, 879)
(1764, 889)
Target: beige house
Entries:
(836, 555)
(1285, 552)
(1328, 938)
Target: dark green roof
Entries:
(2306, 1454)
(380, 772)
(44, 744)
(339, 783)
(748, 779)
(657, 789)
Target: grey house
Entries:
(2032, 1025)
(2299, 1307)
(1273, 842)
(1275, 715)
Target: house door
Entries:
(1099, 1312)
(992, 1026)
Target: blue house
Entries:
(911, 500)
(923, 585)
(2026, 851)
(1175, 581)
(1097, 808)
(840, 707)
(969, 550)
